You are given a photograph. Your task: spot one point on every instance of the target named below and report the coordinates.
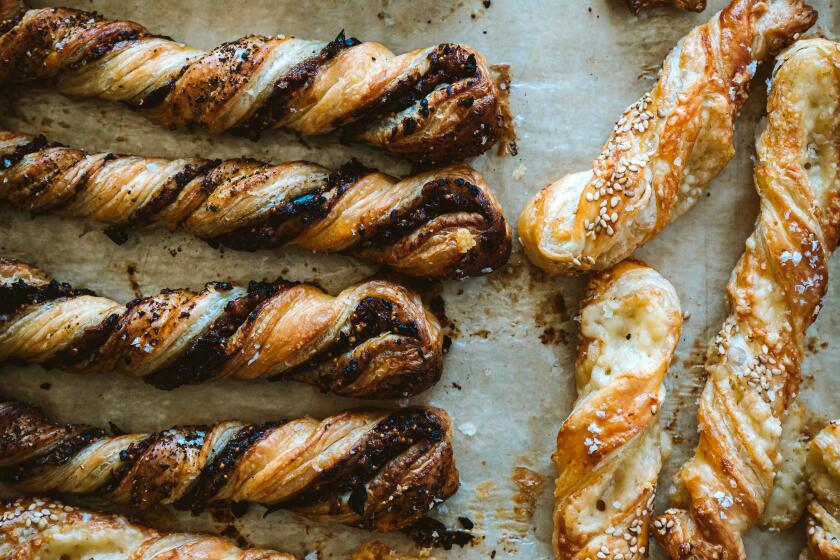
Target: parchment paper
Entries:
(508, 379)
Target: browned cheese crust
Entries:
(823, 528)
(373, 469)
(440, 223)
(49, 530)
(666, 148)
(431, 105)
(373, 340)
(608, 450)
(637, 6)
(774, 294)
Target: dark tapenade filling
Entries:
(19, 294)
(168, 194)
(214, 475)
(386, 441)
(38, 143)
(298, 78)
(208, 353)
(372, 317)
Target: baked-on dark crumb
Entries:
(636, 6)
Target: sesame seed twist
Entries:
(774, 294)
(823, 467)
(38, 528)
(608, 449)
(373, 340)
(372, 469)
(434, 224)
(433, 104)
(666, 148)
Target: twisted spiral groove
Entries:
(431, 105)
(666, 148)
(435, 224)
(775, 293)
(36, 528)
(372, 469)
(823, 532)
(374, 340)
(608, 450)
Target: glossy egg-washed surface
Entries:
(375, 339)
(440, 223)
(433, 104)
(373, 469)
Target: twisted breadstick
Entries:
(637, 6)
(48, 530)
(666, 148)
(824, 505)
(775, 293)
(371, 469)
(608, 448)
(432, 104)
(439, 223)
(373, 340)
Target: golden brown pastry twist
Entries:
(373, 340)
(433, 104)
(775, 293)
(435, 224)
(373, 469)
(33, 528)
(823, 542)
(608, 450)
(637, 6)
(666, 148)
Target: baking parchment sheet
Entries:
(508, 378)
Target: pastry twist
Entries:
(372, 469)
(608, 450)
(48, 530)
(433, 104)
(373, 340)
(823, 542)
(637, 6)
(438, 223)
(667, 146)
(775, 293)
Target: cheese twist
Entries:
(435, 224)
(374, 340)
(666, 148)
(372, 469)
(433, 104)
(47, 529)
(775, 293)
(823, 532)
(608, 450)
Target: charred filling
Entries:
(158, 95)
(128, 458)
(170, 192)
(298, 78)
(372, 317)
(37, 144)
(28, 424)
(439, 197)
(117, 32)
(351, 474)
(86, 345)
(215, 475)
(8, 24)
(285, 221)
(151, 483)
(19, 294)
(447, 64)
(208, 353)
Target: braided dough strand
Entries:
(775, 293)
(666, 148)
(824, 506)
(49, 530)
(433, 104)
(372, 469)
(435, 224)
(374, 340)
(608, 450)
